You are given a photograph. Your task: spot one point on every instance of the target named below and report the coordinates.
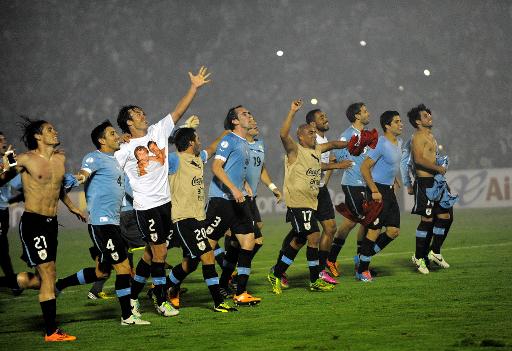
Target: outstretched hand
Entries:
(296, 105)
(78, 214)
(192, 122)
(201, 78)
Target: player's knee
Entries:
(298, 241)
(313, 240)
(393, 232)
(208, 258)
(426, 219)
(259, 240)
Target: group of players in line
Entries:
(140, 161)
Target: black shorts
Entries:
(4, 221)
(130, 230)
(422, 205)
(222, 214)
(255, 214)
(390, 215)
(303, 221)
(192, 237)
(354, 197)
(155, 223)
(325, 209)
(38, 236)
(108, 241)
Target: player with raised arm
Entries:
(148, 175)
(303, 168)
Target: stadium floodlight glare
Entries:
(279, 53)
(426, 72)
(401, 87)
(362, 42)
(314, 101)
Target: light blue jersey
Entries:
(6, 193)
(387, 161)
(127, 203)
(256, 160)
(234, 151)
(104, 190)
(406, 164)
(351, 176)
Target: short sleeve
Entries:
(224, 149)
(174, 162)
(165, 126)
(204, 156)
(90, 163)
(376, 153)
(121, 156)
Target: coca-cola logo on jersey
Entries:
(313, 172)
(197, 181)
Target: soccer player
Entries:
(352, 184)
(42, 172)
(150, 185)
(186, 169)
(227, 207)
(379, 170)
(303, 168)
(435, 219)
(104, 192)
(257, 171)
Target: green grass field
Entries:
(466, 307)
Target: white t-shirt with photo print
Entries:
(146, 165)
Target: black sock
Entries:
(423, 230)
(49, 309)
(244, 270)
(359, 244)
(123, 292)
(440, 231)
(212, 281)
(286, 242)
(367, 251)
(322, 259)
(336, 246)
(382, 241)
(257, 247)
(142, 272)
(312, 257)
(219, 255)
(97, 287)
(289, 254)
(229, 264)
(177, 275)
(84, 276)
(130, 259)
(158, 278)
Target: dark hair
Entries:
(353, 110)
(152, 142)
(228, 121)
(183, 137)
(30, 128)
(310, 116)
(386, 118)
(124, 116)
(99, 132)
(414, 114)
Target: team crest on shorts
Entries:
(115, 256)
(201, 245)
(307, 226)
(42, 254)
(376, 221)
(428, 211)
(154, 236)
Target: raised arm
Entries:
(366, 172)
(333, 145)
(210, 150)
(417, 146)
(336, 165)
(196, 81)
(219, 172)
(289, 145)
